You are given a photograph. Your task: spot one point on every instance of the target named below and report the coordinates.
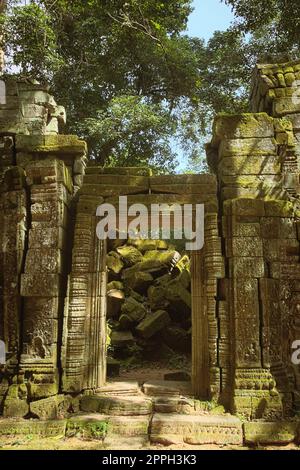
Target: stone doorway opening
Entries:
(149, 310)
(85, 326)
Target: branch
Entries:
(52, 4)
(2, 5)
(124, 20)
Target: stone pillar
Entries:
(254, 393)
(276, 89)
(207, 270)
(40, 171)
(214, 269)
(84, 335)
(246, 157)
(13, 201)
(42, 285)
(13, 236)
(200, 361)
(247, 152)
(280, 298)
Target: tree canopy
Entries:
(135, 86)
(277, 20)
(104, 58)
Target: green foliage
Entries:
(102, 56)
(133, 85)
(87, 430)
(130, 132)
(277, 20)
(98, 430)
(35, 43)
(224, 71)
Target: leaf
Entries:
(156, 25)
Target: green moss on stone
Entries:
(87, 428)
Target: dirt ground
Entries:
(144, 375)
(155, 370)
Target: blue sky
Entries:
(209, 16)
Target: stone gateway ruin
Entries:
(244, 283)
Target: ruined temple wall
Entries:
(246, 291)
(276, 90)
(29, 109)
(40, 175)
(256, 159)
(13, 207)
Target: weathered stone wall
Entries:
(276, 90)
(39, 173)
(29, 109)
(255, 157)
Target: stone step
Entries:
(116, 405)
(116, 387)
(167, 388)
(280, 432)
(126, 443)
(35, 427)
(129, 426)
(181, 405)
(169, 429)
(109, 428)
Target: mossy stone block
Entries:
(129, 254)
(134, 309)
(15, 408)
(239, 126)
(153, 323)
(87, 427)
(282, 432)
(13, 427)
(251, 146)
(279, 208)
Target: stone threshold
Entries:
(159, 428)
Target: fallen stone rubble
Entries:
(149, 300)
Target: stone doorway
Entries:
(199, 386)
(87, 304)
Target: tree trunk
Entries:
(3, 4)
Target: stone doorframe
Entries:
(84, 338)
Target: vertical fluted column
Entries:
(199, 330)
